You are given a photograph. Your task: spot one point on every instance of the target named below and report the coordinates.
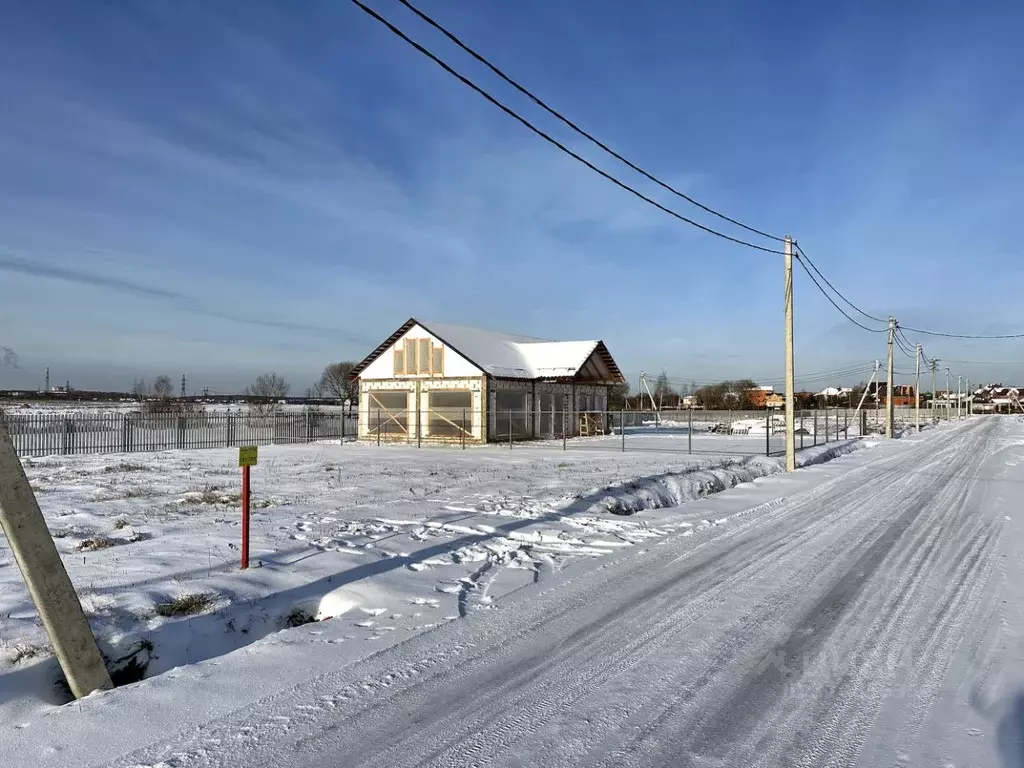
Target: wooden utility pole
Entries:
(917, 391)
(969, 406)
(790, 396)
(890, 412)
(52, 592)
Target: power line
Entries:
(800, 260)
(551, 140)
(964, 335)
(835, 290)
(590, 137)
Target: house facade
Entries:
(446, 383)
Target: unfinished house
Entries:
(446, 383)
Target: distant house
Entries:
(902, 394)
(442, 382)
(758, 396)
(775, 401)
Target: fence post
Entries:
(463, 430)
(689, 431)
(419, 424)
(622, 427)
(802, 430)
(124, 433)
(826, 425)
(767, 432)
(308, 435)
(815, 426)
(863, 423)
(565, 425)
(230, 429)
(181, 432)
(68, 431)
(379, 427)
(510, 429)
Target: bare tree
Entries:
(268, 385)
(140, 390)
(271, 387)
(335, 382)
(163, 389)
(8, 358)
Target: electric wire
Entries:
(803, 254)
(832, 301)
(550, 139)
(574, 126)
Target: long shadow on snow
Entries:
(242, 623)
(1010, 734)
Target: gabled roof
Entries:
(511, 356)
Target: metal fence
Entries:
(47, 434)
(689, 431)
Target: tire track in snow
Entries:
(543, 647)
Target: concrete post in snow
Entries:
(52, 592)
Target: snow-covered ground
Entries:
(400, 539)
(866, 611)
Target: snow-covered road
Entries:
(869, 618)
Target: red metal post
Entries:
(245, 518)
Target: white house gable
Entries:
(419, 354)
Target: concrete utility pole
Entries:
(959, 397)
(52, 592)
(790, 396)
(935, 368)
(890, 412)
(948, 414)
(917, 391)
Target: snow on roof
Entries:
(514, 356)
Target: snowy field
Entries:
(489, 607)
(398, 539)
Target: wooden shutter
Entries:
(437, 362)
(399, 361)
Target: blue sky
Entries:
(225, 188)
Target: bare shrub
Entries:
(188, 604)
(95, 543)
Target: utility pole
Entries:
(917, 391)
(969, 405)
(890, 412)
(52, 592)
(790, 396)
(948, 414)
(935, 368)
(959, 397)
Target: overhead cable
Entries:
(803, 254)
(550, 139)
(574, 126)
(833, 303)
